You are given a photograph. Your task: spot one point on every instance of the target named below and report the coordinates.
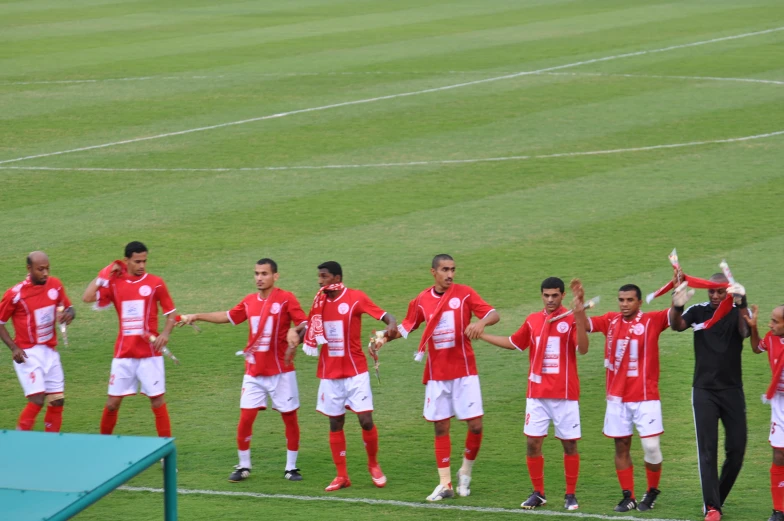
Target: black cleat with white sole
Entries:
(570, 502)
(627, 503)
(649, 499)
(292, 475)
(536, 499)
(239, 474)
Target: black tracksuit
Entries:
(717, 394)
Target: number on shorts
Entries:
(527, 418)
(773, 428)
(111, 380)
(32, 377)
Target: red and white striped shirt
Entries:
(449, 351)
(136, 300)
(272, 344)
(33, 310)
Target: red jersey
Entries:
(449, 351)
(774, 346)
(640, 336)
(342, 319)
(559, 378)
(271, 344)
(33, 309)
(136, 300)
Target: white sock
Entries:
(244, 458)
(468, 466)
(291, 459)
(445, 474)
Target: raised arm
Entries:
(680, 296)
(751, 323)
(580, 319)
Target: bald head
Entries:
(38, 267)
(36, 257)
(719, 277)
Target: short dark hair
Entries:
(272, 263)
(631, 287)
(553, 283)
(332, 267)
(440, 257)
(134, 247)
(29, 261)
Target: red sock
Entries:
(292, 429)
(626, 479)
(27, 418)
(571, 471)
(53, 419)
(337, 442)
(443, 451)
(536, 471)
(162, 424)
(653, 478)
(777, 486)
(473, 442)
(108, 420)
(371, 445)
(245, 428)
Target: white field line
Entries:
(398, 73)
(394, 96)
(390, 502)
(408, 163)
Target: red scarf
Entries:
(254, 344)
(432, 322)
(697, 283)
(540, 347)
(619, 364)
(315, 333)
(106, 273)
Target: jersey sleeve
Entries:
(64, 300)
(599, 324)
(661, 319)
(479, 307)
(521, 339)
(103, 298)
(165, 300)
(414, 317)
(690, 316)
(238, 314)
(7, 306)
(369, 307)
(296, 313)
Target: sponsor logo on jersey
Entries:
(145, 290)
(343, 308)
(52, 294)
(275, 309)
(562, 327)
(638, 329)
(454, 303)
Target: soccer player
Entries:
(136, 296)
(451, 378)
(773, 344)
(335, 322)
(553, 384)
(632, 361)
(270, 313)
(717, 389)
(35, 305)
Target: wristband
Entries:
(743, 303)
(679, 309)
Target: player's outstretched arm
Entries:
(216, 317)
(500, 341)
(476, 329)
(751, 322)
(391, 332)
(163, 339)
(18, 353)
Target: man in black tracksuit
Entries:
(717, 392)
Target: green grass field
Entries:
(580, 186)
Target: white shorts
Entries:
(646, 416)
(565, 415)
(776, 438)
(281, 389)
(128, 373)
(41, 371)
(461, 397)
(337, 395)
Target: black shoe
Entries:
(627, 503)
(777, 515)
(570, 502)
(536, 499)
(649, 499)
(239, 474)
(292, 475)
